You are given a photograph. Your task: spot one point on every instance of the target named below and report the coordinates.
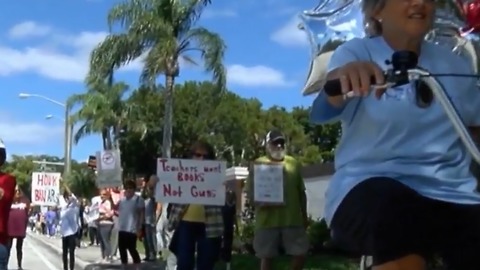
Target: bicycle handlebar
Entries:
(333, 87)
(397, 77)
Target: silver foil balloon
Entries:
(333, 22)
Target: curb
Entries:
(79, 263)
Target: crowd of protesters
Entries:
(186, 236)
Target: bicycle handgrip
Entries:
(334, 88)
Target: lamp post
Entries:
(51, 116)
(68, 130)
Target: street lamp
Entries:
(68, 129)
(51, 116)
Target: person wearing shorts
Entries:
(281, 226)
(403, 190)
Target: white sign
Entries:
(186, 181)
(108, 160)
(109, 169)
(268, 183)
(45, 188)
(93, 214)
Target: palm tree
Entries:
(104, 110)
(164, 32)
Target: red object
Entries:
(471, 11)
(7, 183)
(18, 219)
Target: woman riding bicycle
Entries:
(402, 190)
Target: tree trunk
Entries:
(116, 138)
(168, 117)
(104, 139)
(108, 139)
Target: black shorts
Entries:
(385, 219)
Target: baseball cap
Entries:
(275, 136)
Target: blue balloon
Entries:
(333, 22)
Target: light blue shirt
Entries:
(393, 137)
(69, 216)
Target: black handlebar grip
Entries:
(334, 88)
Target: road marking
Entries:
(41, 256)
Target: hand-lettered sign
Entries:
(45, 188)
(268, 183)
(186, 181)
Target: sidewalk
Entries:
(87, 257)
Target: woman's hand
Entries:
(356, 77)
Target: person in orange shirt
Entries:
(7, 192)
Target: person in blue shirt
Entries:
(402, 189)
(51, 220)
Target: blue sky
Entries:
(45, 44)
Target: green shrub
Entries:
(318, 234)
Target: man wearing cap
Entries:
(7, 191)
(281, 226)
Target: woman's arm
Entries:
(109, 209)
(158, 212)
(327, 109)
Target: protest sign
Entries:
(186, 181)
(45, 188)
(268, 183)
(109, 169)
(93, 214)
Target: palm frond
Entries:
(189, 60)
(187, 14)
(114, 52)
(75, 100)
(212, 49)
(157, 60)
(82, 132)
(127, 12)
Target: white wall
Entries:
(316, 188)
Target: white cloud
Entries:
(290, 35)
(218, 13)
(28, 132)
(256, 76)
(56, 56)
(28, 29)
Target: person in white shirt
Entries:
(130, 218)
(149, 241)
(163, 234)
(69, 226)
(93, 232)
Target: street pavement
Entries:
(35, 257)
(86, 257)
